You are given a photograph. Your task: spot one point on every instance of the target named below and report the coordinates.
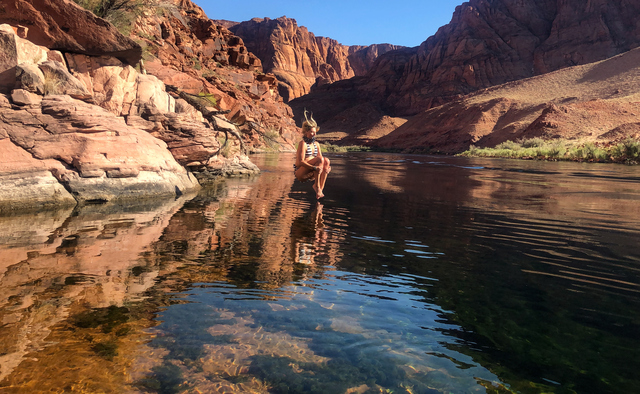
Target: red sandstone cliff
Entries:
(298, 58)
(188, 50)
(487, 42)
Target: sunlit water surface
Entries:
(415, 274)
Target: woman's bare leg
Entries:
(304, 173)
(316, 186)
(326, 169)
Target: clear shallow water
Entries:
(415, 274)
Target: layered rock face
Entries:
(78, 128)
(59, 149)
(362, 58)
(188, 50)
(490, 42)
(301, 60)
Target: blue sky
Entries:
(396, 22)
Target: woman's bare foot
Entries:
(319, 194)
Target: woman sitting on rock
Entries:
(310, 164)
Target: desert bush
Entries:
(121, 13)
(196, 63)
(533, 143)
(631, 148)
(272, 133)
(472, 150)
(628, 150)
(225, 147)
(52, 83)
(210, 98)
(588, 151)
(271, 137)
(512, 145)
(558, 149)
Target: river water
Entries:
(415, 274)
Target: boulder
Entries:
(189, 141)
(28, 182)
(24, 97)
(112, 84)
(151, 93)
(145, 183)
(170, 76)
(91, 151)
(30, 78)
(58, 80)
(237, 167)
(65, 26)
(14, 51)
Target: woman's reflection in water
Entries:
(308, 236)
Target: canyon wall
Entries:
(487, 43)
(301, 60)
(184, 48)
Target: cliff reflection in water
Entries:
(414, 274)
(56, 266)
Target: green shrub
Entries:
(630, 149)
(536, 142)
(121, 13)
(270, 138)
(196, 63)
(512, 145)
(556, 149)
(209, 97)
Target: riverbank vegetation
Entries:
(627, 151)
(327, 147)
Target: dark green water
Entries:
(414, 274)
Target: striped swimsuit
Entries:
(312, 151)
